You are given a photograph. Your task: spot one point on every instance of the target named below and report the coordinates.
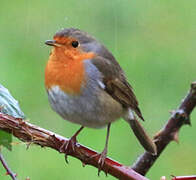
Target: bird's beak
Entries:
(52, 43)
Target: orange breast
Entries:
(66, 71)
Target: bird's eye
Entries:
(75, 44)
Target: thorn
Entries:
(28, 145)
(83, 164)
(188, 121)
(175, 136)
(99, 171)
(66, 159)
(106, 174)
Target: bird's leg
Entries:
(69, 146)
(103, 155)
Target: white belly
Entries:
(91, 111)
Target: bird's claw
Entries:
(68, 147)
(102, 156)
(101, 160)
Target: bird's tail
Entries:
(141, 134)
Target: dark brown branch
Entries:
(33, 134)
(8, 170)
(169, 132)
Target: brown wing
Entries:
(116, 84)
(122, 92)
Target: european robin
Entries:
(86, 86)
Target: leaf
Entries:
(5, 139)
(9, 106)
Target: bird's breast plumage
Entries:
(93, 107)
(66, 70)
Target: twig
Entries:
(169, 132)
(8, 170)
(193, 177)
(33, 134)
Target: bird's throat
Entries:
(67, 73)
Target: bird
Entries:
(86, 86)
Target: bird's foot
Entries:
(102, 156)
(68, 147)
(101, 160)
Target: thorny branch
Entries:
(169, 132)
(33, 134)
(8, 170)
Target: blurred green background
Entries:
(154, 42)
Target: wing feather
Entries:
(116, 84)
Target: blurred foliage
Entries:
(153, 40)
(5, 140)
